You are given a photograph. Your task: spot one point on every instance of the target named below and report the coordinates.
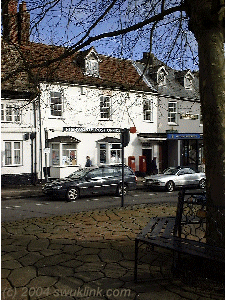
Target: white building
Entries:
(62, 112)
(55, 114)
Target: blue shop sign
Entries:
(183, 136)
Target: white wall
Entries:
(82, 108)
(15, 132)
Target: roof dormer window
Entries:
(91, 67)
(161, 76)
(188, 81)
(92, 63)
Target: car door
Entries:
(183, 178)
(111, 180)
(187, 177)
(193, 177)
(94, 182)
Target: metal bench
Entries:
(184, 233)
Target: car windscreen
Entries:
(170, 171)
(79, 173)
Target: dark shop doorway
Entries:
(148, 154)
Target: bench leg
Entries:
(136, 260)
(176, 263)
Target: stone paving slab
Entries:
(90, 255)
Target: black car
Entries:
(89, 181)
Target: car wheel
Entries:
(202, 183)
(170, 186)
(119, 190)
(72, 194)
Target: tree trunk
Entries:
(209, 32)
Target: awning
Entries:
(110, 140)
(64, 139)
(149, 137)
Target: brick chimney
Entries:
(16, 25)
(10, 20)
(24, 24)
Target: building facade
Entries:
(179, 122)
(55, 114)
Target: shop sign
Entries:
(188, 116)
(182, 136)
(92, 130)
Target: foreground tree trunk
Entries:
(206, 23)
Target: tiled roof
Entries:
(31, 62)
(173, 87)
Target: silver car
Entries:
(176, 177)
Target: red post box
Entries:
(142, 164)
(131, 162)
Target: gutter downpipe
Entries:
(35, 144)
(40, 134)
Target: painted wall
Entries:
(15, 131)
(81, 108)
(184, 122)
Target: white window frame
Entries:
(148, 110)
(161, 76)
(69, 154)
(55, 154)
(15, 155)
(188, 82)
(103, 152)
(111, 152)
(61, 158)
(92, 67)
(10, 113)
(172, 112)
(105, 108)
(115, 153)
(56, 107)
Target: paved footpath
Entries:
(89, 255)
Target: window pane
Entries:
(16, 153)
(69, 154)
(16, 115)
(9, 113)
(56, 104)
(102, 153)
(147, 109)
(115, 156)
(55, 155)
(2, 112)
(8, 153)
(104, 107)
(172, 112)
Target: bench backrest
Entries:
(190, 220)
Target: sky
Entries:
(66, 23)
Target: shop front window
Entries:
(103, 153)
(55, 155)
(115, 153)
(69, 154)
(64, 154)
